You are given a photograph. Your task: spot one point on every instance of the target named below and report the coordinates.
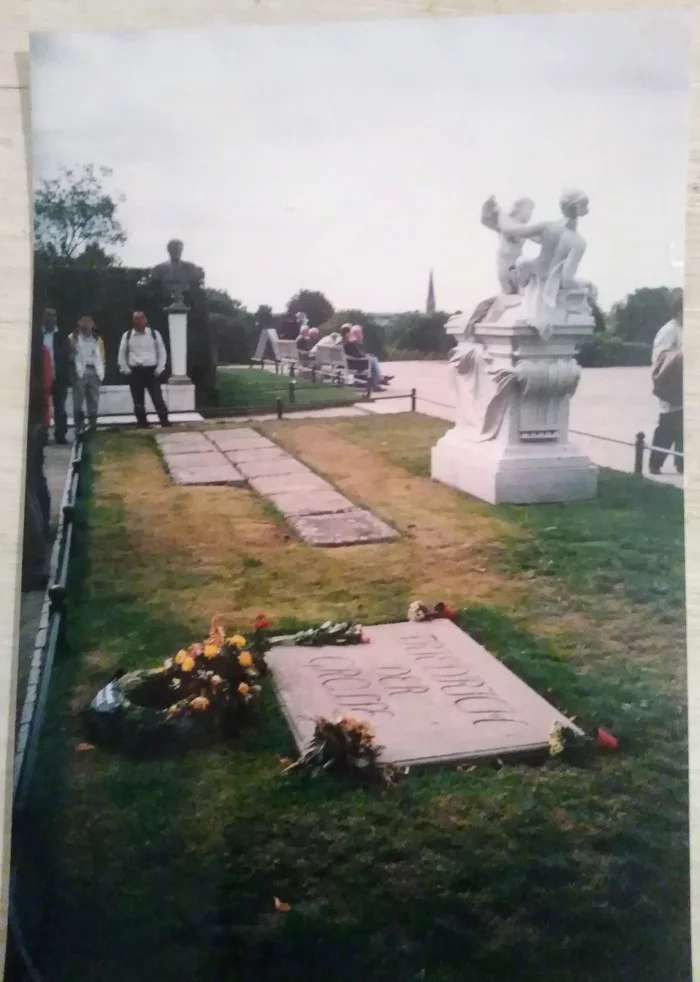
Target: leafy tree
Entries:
(221, 302)
(422, 332)
(73, 213)
(94, 257)
(641, 314)
(601, 324)
(312, 303)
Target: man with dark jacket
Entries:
(37, 502)
(57, 346)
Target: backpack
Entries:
(153, 335)
(667, 377)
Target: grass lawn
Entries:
(253, 388)
(167, 870)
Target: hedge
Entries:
(607, 351)
(110, 296)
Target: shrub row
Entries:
(607, 351)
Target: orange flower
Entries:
(187, 664)
(200, 703)
(243, 689)
(245, 660)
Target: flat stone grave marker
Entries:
(298, 503)
(176, 443)
(355, 526)
(305, 481)
(203, 468)
(271, 468)
(239, 439)
(431, 693)
(255, 453)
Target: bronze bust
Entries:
(175, 276)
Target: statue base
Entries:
(511, 442)
(115, 400)
(518, 475)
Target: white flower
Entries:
(417, 611)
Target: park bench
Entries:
(333, 366)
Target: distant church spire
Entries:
(430, 302)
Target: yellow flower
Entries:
(243, 689)
(237, 640)
(187, 664)
(211, 650)
(200, 702)
(245, 660)
(180, 657)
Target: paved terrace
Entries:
(616, 403)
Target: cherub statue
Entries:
(542, 280)
(509, 248)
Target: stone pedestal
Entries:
(527, 457)
(180, 394)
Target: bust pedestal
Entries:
(179, 393)
(529, 457)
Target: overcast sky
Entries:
(353, 158)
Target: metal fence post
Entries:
(639, 453)
(413, 400)
(279, 408)
(292, 391)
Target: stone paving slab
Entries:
(306, 481)
(349, 528)
(272, 468)
(203, 468)
(176, 443)
(294, 504)
(242, 438)
(254, 453)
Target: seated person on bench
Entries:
(355, 349)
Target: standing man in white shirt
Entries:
(88, 364)
(57, 347)
(667, 382)
(142, 358)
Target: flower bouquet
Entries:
(418, 611)
(346, 749)
(202, 694)
(567, 743)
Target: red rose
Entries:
(605, 740)
(261, 622)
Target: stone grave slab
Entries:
(304, 481)
(297, 503)
(239, 439)
(176, 443)
(271, 468)
(431, 693)
(203, 468)
(255, 453)
(348, 528)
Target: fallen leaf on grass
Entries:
(281, 906)
(285, 761)
(84, 746)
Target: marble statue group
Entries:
(514, 367)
